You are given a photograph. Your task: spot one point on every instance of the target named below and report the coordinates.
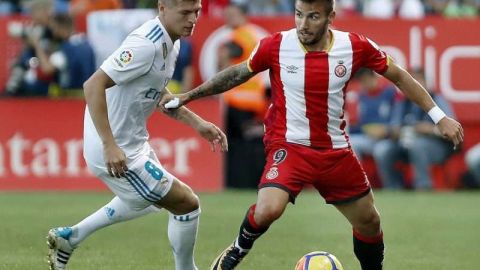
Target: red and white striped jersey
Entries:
(308, 88)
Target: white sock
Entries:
(113, 212)
(182, 233)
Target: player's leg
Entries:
(343, 183)
(367, 233)
(63, 240)
(271, 204)
(184, 208)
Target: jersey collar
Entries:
(168, 39)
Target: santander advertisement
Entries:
(41, 146)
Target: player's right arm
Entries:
(95, 96)
(260, 60)
(221, 82)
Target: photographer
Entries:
(71, 63)
(26, 79)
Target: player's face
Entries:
(312, 21)
(180, 17)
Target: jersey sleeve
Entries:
(374, 58)
(259, 59)
(133, 59)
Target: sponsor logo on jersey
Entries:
(279, 156)
(272, 173)
(126, 57)
(152, 93)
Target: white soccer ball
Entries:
(318, 260)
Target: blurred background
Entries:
(50, 47)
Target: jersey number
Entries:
(153, 170)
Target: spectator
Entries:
(149, 4)
(411, 9)
(461, 8)
(246, 105)
(79, 10)
(9, 7)
(182, 79)
(379, 9)
(83, 7)
(414, 138)
(375, 104)
(214, 8)
(72, 63)
(267, 7)
(26, 79)
(472, 159)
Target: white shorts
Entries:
(146, 181)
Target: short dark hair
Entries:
(63, 20)
(329, 4)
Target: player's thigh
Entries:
(360, 212)
(180, 199)
(145, 182)
(339, 177)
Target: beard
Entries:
(312, 38)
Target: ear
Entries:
(331, 17)
(161, 7)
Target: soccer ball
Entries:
(318, 260)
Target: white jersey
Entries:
(141, 68)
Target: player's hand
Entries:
(115, 160)
(214, 135)
(451, 130)
(169, 102)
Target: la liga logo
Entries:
(126, 56)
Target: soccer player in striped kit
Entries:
(120, 96)
(305, 139)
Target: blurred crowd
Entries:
(412, 9)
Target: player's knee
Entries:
(187, 202)
(267, 214)
(191, 201)
(369, 224)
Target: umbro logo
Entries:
(292, 69)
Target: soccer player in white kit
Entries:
(120, 97)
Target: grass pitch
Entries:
(423, 231)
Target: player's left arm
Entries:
(413, 90)
(206, 129)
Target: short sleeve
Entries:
(259, 59)
(133, 59)
(374, 58)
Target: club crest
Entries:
(340, 70)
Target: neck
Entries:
(172, 36)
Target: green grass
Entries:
(432, 231)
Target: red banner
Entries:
(41, 146)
